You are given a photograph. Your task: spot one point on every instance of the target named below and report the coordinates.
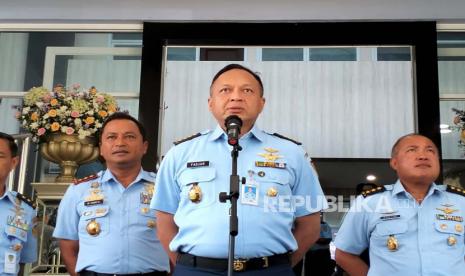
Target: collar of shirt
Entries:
(399, 189)
(254, 132)
(108, 176)
(9, 195)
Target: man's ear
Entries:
(146, 146)
(14, 162)
(393, 163)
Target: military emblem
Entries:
(195, 193)
(272, 192)
(151, 224)
(446, 210)
(94, 198)
(94, 185)
(144, 210)
(93, 228)
(147, 194)
(451, 240)
(270, 154)
(392, 243)
(443, 226)
(17, 247)
(261, 173)
(459, 228)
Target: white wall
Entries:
(157, 10)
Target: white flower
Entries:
(46, 116)
(63, 108)
(78, 122)
(90, 112)
(26, 110)
(34, 125)
(24, 123)
(39, 104)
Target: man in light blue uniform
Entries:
(17, 244)
(105, 224)
(283, 216)
(413, 227)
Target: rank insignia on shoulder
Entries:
(375, 190)
(187, 139)
(455, 190)
(27, 200)
(286, 138)
(85, 179)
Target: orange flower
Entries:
(89, 120)
(53, 102)
(103, 113)
(34, 116)
(111, 108)
(55, 126)
(52, 113)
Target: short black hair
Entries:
(233, 66)
(11, 143)
(123, 116)
(396, 144)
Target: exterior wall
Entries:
(271, 10)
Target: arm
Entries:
(306, 232)
(69, 251)
(166, 230)
(352, 264)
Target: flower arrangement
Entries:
(70, 111)
(459, 121)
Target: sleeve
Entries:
(29, 251)
(354, 235)
(167, 191)
(307, 192)
(68, 217)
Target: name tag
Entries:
(198, 164)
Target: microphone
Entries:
(233, 126)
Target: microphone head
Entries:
(233, 120)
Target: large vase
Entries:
(69, 152)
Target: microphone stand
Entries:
(233, 196)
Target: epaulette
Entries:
(85, 179)
(373, 191)
(27, 200)
(455, 190)
(285, 138)
(187, 139)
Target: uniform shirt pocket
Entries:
(449, 227)
(99, 214)
(392, 227)
(385, 231)
(272, 179)
(203, 178)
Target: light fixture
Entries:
(371, 177)
(445, 128)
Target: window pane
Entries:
(222, 54)
(175, 53)
(333, 54)
(394, 53)
(282, 54)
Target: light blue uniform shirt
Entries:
(16, 231)
(422, 232)
(127, 242)
(264, 229)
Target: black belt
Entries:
(239, 264)
(92, 273)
